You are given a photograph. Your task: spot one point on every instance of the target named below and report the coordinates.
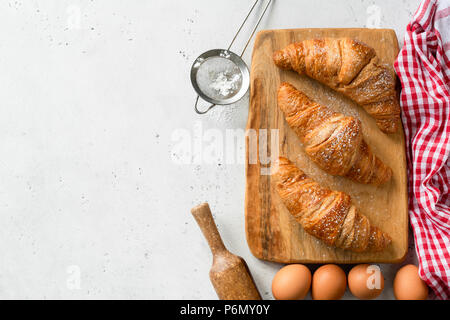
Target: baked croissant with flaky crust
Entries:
(350, 67)
(326, 214)
(333, 141)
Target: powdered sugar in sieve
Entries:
(220, 76)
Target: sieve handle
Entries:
(254, 29)
(202, 112)
(256, 26)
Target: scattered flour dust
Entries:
(231, 115)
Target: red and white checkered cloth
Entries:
(423, 67)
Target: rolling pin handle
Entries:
(203, 216)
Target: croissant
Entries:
(350, 67)
(333, 141)
(326, 214)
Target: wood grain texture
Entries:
(229, 273)
(272, 233)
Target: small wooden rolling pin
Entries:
(229, 273)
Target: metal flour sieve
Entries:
(220, 76)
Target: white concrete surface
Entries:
(93, 201)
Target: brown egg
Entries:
(291, 282)
(365, 281)
(329, 283)
(408, 285)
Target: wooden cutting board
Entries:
(272, 234)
